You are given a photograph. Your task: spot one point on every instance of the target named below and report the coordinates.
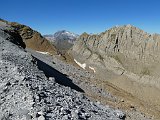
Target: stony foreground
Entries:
(97, 90)
(26, 93)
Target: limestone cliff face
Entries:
(122, 50)
(31, 38)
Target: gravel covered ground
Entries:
(78, 76)
(26, 93)
(84, 80)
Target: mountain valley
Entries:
(113, 75)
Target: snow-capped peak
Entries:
(65, 34)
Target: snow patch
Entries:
(43, 52)
(81, 65)
(92, 69)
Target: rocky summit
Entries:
(27, 92)
(30, 37)
(125, 56)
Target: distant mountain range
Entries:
(63, 40)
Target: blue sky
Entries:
(92, 16)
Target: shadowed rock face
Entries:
(15, 38)
(10, 34)
(31, 38)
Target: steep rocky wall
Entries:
(126, 47)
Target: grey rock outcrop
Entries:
(26, 93)
(127, 48)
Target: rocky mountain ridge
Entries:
(125, 56)
(126, 43)
(30, 37)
